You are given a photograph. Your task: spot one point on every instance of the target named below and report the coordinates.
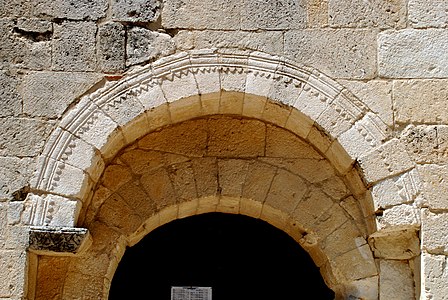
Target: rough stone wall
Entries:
(392, 55)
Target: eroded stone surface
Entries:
(395, 243)
(75, 10)
(435, 272)
(9, 96)
(396, 280)
(424, 14)
(111, 47)
(136, 10)
(434, 237)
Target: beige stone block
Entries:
(408, 95)
(207, 204)
(188, 209)
(286, 88)
(93, 286)
(210, 103)
(317, 13)
(15, 173)
(135, 128)
(179, 86)
(89, 210)
(405, 54)
(354, 209)
(435, 191)
(377, 13)
(191, 14)
(205, 71)
(395, 243)
(337, 53)
(124, 109)
(231, 176)
(334, 187)
(250, 208)
(424, 14)
(275, 217)
(141, 161)
(158, 117)
(331, 220)
(158, 186)
(253, 106)
(258, 181)
(168, 214)
(286, 191)
(187, 108)
(47, 94)
(266, 41)
(318, 139)
(12, 272)
(396, 280)
(136, 198)
(231, 137)
(311, 207)
(355, 183)
(50, 270)
(355, 264)
(188, 138)
(387, 160)
(231, 103)
(276, 113)
(339, 158)
(299, 123)
(435, 274)
(399, 215)
(115, 176)
(375, 94)
(228, 205)
(282, 143)
(150, 95)
(401, 189)
(205, 175)
(182, 177)
(434, 232)
(366, 288)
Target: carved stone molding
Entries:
(58, 240)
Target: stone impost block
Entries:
(61, 241)
(343, 53)
(413, 53)
(47, 94)
(135, 10)
(143, 45)
(376, 13)
(74, 46)
(408, 96)
(111, 47)
(9, 95)
(435, 232)
(435, 272)
(396, 280)
(424, 13)
(76, 10)
(399, 243)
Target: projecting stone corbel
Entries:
(61, 241)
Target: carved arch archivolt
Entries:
(203, 86)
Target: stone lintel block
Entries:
(424, 13)
(434, 232)
(411, 53)
(60, 241)
(399, 243)
(342, 53)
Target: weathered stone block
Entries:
(15, 173)
(341, 53)
(376, 94)
(47, 94)
(359, 13)
(424, 13)
(12, 272)
(9, 96)
(266, 41)
(434, 178)
(23, 137)
(111, 47)
(208, 14)
(266, 14)
(58, 240)
(74, 46)
(74, 10)
(143, 45)
(418, 100)
(435, 272)
(396, 280)
(434, 232)
(400, 215)
(413, 53)
(136, 10)
(14, 8)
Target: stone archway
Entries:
(349, 139)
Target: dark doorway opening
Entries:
(238, 256)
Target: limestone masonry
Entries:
(326, 118)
